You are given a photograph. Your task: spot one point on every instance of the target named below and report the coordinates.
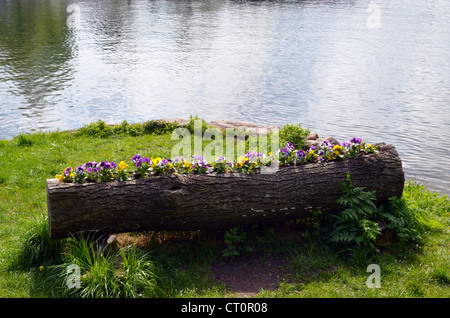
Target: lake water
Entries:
(379, 70)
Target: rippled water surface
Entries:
(379, 70)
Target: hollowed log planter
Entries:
(199, 201)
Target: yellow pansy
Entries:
(122, 166)
(337, 148)
(156, 160)
(242, 159)
(187, 164)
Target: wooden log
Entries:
(201, 201)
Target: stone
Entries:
(221, 125)
(243, 125)
(310, 143)
(270, 127)
(332, 140)
(181, 121)
(312, 136)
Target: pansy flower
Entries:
(311, 155)
(285, 152)
(122, 172)
(90, 164)
(106, 172)
(300, 156)
(220, 165)
(356, 141)
(180, 165)
(66, 176)
(67, 172)
(356, 144)
(142, 164)
(80, 174)
(290, 146)
(122, 166)
(136, 159)
(200, 164)
(161, 166)
(370, 148)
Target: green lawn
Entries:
(31, 265)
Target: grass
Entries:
(158, 264)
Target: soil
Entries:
(247, 276)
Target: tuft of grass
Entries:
(37, 249)
(192, 121)
(102, 130)
(23, 140)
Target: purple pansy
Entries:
(220, 159)
(67, 171)
(104, 165)
(300, 154)
(79, 170)
(290, 146)
(285, 152)
(163, 162)
(137, 158)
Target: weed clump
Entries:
(103, 130)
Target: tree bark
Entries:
(201, 201)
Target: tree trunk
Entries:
(201, 201)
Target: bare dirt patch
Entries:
(247, 276)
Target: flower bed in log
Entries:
(180, 194)
(250, 162)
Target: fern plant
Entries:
(235, 242)
(355, 224)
